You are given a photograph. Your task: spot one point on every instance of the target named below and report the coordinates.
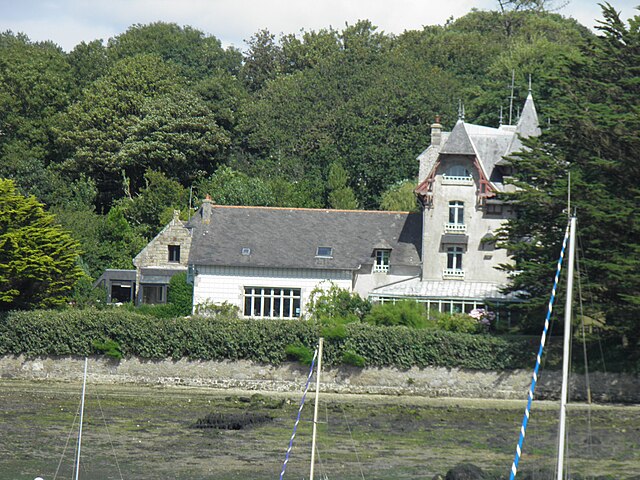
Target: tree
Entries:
(595, 138)
(194, 54)
(400, 197)
(38, 266)
(340, 195)
(93, 130)
(230, 187)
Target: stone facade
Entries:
(163, 257)
(290, 377)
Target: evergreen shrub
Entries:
(75, 332)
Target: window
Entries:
(457, 171)
(493, 209)
(174, 253)
(381, 262)
(456, 212)
(325, 252)
(454, 258)
(246, 251)
(152, 294)
(271, 302)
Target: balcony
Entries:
(452, 274)
(457, 180)
(455, 228)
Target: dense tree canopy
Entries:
(113, 137)
(594, 137)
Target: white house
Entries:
(267, 261)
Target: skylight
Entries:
(325, 252)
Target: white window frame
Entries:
(272, 302)
(381, 261)
(456, 212)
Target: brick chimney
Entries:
(436, 132)
(206, 210)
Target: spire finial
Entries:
(501, 119)
(460, 110)
(529, 83)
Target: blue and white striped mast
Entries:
(534, 380)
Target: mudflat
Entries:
(147, 433)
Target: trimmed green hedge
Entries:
(80, 332)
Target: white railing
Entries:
(456, 180)
(453, 273)
(380, 268)
(455, 228)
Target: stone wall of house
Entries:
(156, 253)
(290, 377)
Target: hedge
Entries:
(81, 332)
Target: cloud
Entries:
(68, 22)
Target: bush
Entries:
(74, 332)
(457, 322)
(336, 305)
(406, 313)
(180, 295)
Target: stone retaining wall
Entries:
(430, 382)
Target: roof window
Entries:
(324, 252)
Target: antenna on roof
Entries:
(513, 80)
(460, 110)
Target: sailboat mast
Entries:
(315, 409)
(565, 349)
(84, 387)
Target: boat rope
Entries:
(534, 379)
(106, 427)
(66, 445)
(353, 442)
(295, 425)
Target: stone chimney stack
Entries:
(436, 132)
(206, 210)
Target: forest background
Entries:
(109, 139)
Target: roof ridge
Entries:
(310, 209)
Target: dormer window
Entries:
(174, 253)
(457, 171)
(324, 252)
(457, 175)
(381, 261)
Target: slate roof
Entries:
(489, 144)
(415, 288)
(289, 238)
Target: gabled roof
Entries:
(458, 142)
(289, 238)
(489, 145)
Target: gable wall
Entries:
(479, 261)
(156, 253)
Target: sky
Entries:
(69, 22)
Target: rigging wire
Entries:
(295, 425)
(586, 358)
(113, 450)
(355, 448)
(66, 445)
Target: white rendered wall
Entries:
(366, 281)
(226, 284)
(478, 261)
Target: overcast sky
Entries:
(69, 22)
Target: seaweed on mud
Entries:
(232, 421)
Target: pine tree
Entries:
(595, 138)
(37, 258)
